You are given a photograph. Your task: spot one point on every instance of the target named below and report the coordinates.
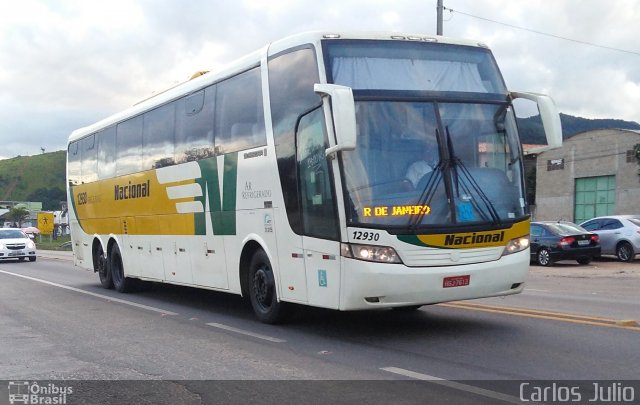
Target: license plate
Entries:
(583, 242)
(14, 254)
(457, 281)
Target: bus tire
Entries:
(116, 269)
(100, 266)
(262, 290)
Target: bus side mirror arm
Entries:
(550, 119)
(344, 115)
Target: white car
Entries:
(15, 244)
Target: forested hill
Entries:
(38, 178)
(531, 128)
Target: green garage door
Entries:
(595, 196)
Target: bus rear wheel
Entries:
(262, 290)
(100, 266)
(116, 268)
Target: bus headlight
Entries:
(516, 245)
(370, 253)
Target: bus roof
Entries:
(253, 59)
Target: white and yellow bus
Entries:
(289, 177)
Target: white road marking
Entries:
(455, 385)
(106, 297)
(246, 332)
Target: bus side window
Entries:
(74, 164)
(319, 215)
(291, 79)
(239, 117)
(194, 126)
(158, 137)
(107, 153)
(89, 159)
(129, 146)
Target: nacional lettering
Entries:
(473, 239)
(130, 191)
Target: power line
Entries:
(544, 33)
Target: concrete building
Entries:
(32, 206)
(594, 173)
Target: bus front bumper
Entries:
(378, 285)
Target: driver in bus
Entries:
(420, 168)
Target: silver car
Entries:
(15, 244)
(619, 235)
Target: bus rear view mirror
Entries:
(344, 115)
(548, 114)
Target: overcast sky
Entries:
(66, 64)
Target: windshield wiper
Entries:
(456, 163)
(463, 181)
(495, 217)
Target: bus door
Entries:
(320, 242)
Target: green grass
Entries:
(45, 242)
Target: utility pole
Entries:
(439, 24)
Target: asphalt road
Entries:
(166, 345)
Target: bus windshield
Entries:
(437, 143)
(409, 171)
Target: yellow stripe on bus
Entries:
(141, 201)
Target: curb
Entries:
(55, 254)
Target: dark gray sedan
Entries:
(555, 241)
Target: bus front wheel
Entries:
(262, 290)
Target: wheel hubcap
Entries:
(624, 253)
(543, 257)
(102, 265)
(262, 287)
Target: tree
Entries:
(49, 197)
(18, 215)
